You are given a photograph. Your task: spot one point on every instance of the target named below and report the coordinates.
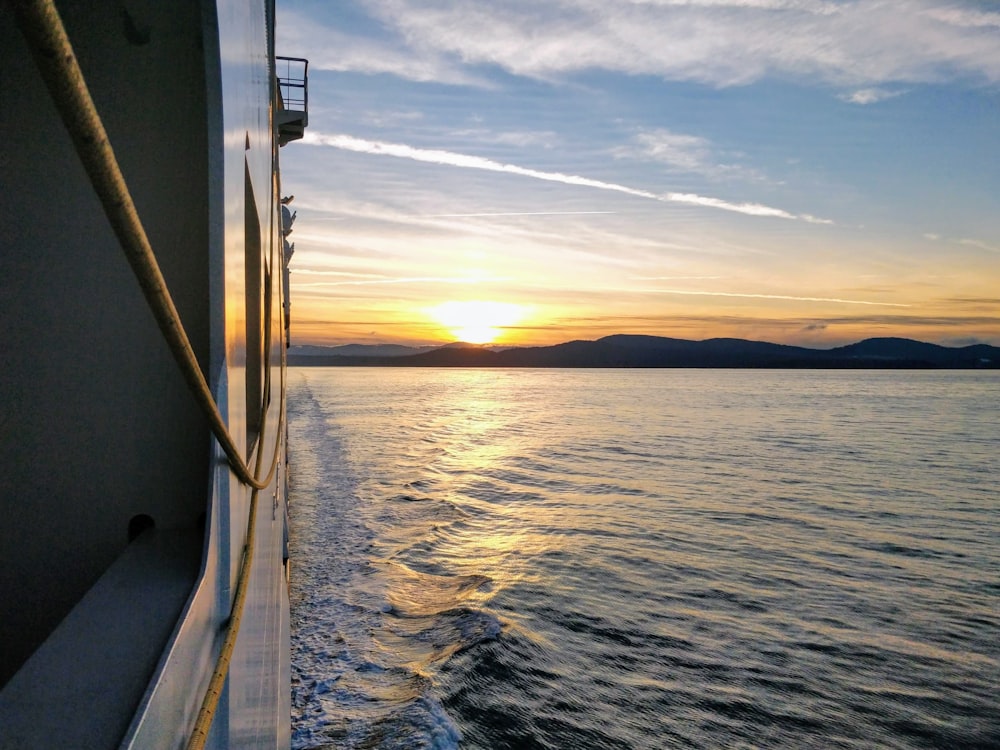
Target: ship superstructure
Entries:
(135, 551)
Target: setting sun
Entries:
(475, 321)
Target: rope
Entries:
(43, 29)
(45, 34)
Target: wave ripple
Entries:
(644, 559)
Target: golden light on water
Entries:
(477, 321)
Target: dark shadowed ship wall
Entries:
(124, 524)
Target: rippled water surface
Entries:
(645, 558)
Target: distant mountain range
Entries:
(624, 350)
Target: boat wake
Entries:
(371, 632)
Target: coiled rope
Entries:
(43, 29)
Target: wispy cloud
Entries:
(675, 278)
(336, 49)
(870, 95)
(682, 152)
(398, 280)
(965, 17)
(793, 298)
(465, 161)
(974, 301)
(969, 242)
(807, 6)
(686, 152)
(519, 138)
(340, 274)
(518, 213)
(721, 42)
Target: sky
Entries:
(528, 172)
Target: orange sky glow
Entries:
(802, 173)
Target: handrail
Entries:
(288, 82)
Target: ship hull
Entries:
(125, 525)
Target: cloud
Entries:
(342, 49)
(861, 43)
(814, 219)
(465, 161)
(520, 138)
(748, 295)
(689, 153)
(969, 242)
(389, 118)
(869, 96)
(683, 153)
(975, 301)
(351, 274)
(951, 321)
(396, 280)
(517, 213)
(675, 278)
(965, 17)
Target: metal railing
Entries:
(293, 83)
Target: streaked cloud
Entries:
(691, 153)
(870, 95)
(603, 161)
(675, 278)
(968, 17)
(340, 50)
(966, 241)
(946, 321)
(682, 152)
(861, 42)
(465, 161)
(788, 297)
(975, 301)
(969, 242)
(519, 138)
(398, 280)
(517, 213)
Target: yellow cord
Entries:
(213, 694)
(43, 29)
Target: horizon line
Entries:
(504, 346)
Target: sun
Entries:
(475, 321)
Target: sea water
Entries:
(645, 558)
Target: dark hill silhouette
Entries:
(627, 350)
(920, 353)
(358, 350)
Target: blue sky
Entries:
(801, 171)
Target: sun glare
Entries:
(477, 322)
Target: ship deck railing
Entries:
(292, 83)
